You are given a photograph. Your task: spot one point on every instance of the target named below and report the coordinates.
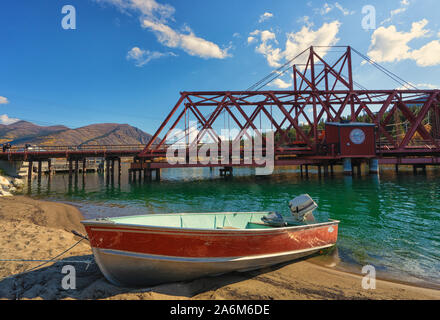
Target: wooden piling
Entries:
(325, 170)
(84, 166)
(119, 168)
(39, 170)
(70, 168)
(49, 167)
(30, 171)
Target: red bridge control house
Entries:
(352, 140)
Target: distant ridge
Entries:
(23, 132)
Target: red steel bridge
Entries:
(406, 121)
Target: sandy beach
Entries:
(39, 230)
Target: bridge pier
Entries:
(49, 167)
(326, 170)
(226, 172)
(373, 166)
(30, 163)
(348, 169)
(119, 170)
(70, 169)
(419, 166)
(76, 168)
(84, 169)
(39, 171)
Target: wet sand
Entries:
(34, 229)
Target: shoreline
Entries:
(39, 229)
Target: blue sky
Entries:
(127, 60)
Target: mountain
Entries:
(94, 134)
(24, 130)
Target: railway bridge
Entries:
(326, 119)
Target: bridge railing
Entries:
(76, 148)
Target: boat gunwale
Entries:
(109, 223)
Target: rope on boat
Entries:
(54, 259)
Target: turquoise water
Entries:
(391, 221)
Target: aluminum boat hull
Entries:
(139, 256)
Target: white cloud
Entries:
(281, 83)
(4, 100)
(428, 55)
(403, 7)
(251, 39)
(305, 20)
(155, 17)
(4, 119)
(189, 42)
(296, 42)
(428, 86)
(265, 16)
(390, 45)
(142, 57)
(344, 11)
(327, 8)
(306, 37)
(267, 39)
(149, 8)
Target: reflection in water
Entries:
(391, 221)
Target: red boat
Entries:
(144, 250)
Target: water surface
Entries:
(389, 221)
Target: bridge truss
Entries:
(407, 119)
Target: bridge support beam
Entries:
(49, 167)
(348, 169)
(70, 169)
(119, 170)
(30, 163)
(84, 164)
(226, 172)
(76, 167)
(374, 166)
(419, 166)
(39, 171)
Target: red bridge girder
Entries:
(321, 93)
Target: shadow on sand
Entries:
(46, 283)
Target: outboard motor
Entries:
(302, 208)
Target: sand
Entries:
(34, 229)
